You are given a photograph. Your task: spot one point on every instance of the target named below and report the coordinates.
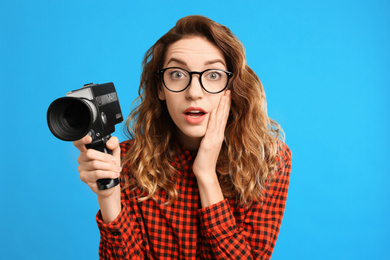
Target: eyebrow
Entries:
(206, 63)
(176, 60)
(215, 61)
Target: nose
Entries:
(194, 90)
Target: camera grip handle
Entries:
(100, 145)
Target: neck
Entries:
(191, 143)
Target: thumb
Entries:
(113, 145)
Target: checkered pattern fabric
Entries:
(183, 230)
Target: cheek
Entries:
(173, 106)
(214, 100)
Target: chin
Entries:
(195, 134)
(192, 133)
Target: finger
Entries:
(220, 107)
(228, 94)
(227, 106)
(94, 155)
(80, 144)
(218, 117)
(227, 101)
(223, 113)
(100, 165)
(211, 125)
(113, 145)
(90, 177)
(223, 108)
(224, 104)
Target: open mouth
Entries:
(195, 113)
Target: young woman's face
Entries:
(190, 109)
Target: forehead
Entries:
(193, 51)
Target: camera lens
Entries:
(69, 118)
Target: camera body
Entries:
(91, 110)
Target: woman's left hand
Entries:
(205, 163)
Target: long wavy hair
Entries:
(248, 157)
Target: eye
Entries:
(177, 74)
(214, 75)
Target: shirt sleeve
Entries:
(120, 239)
(253, 233)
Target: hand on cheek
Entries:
(210, 146)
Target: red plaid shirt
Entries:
(184, 230)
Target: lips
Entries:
(195, 115)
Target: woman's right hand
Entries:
(95, 165)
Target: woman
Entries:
(204, 174)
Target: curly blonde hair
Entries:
(248, 157)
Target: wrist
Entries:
(110, 206)
(209, 189)
(207, 178)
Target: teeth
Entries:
(195, 112)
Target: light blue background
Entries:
(325, 67)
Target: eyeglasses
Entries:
(212, 81)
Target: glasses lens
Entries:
(176, 79)
(214, 80)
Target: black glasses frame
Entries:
(161, 73)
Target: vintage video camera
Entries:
(94, 110)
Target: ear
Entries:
(161, 94)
